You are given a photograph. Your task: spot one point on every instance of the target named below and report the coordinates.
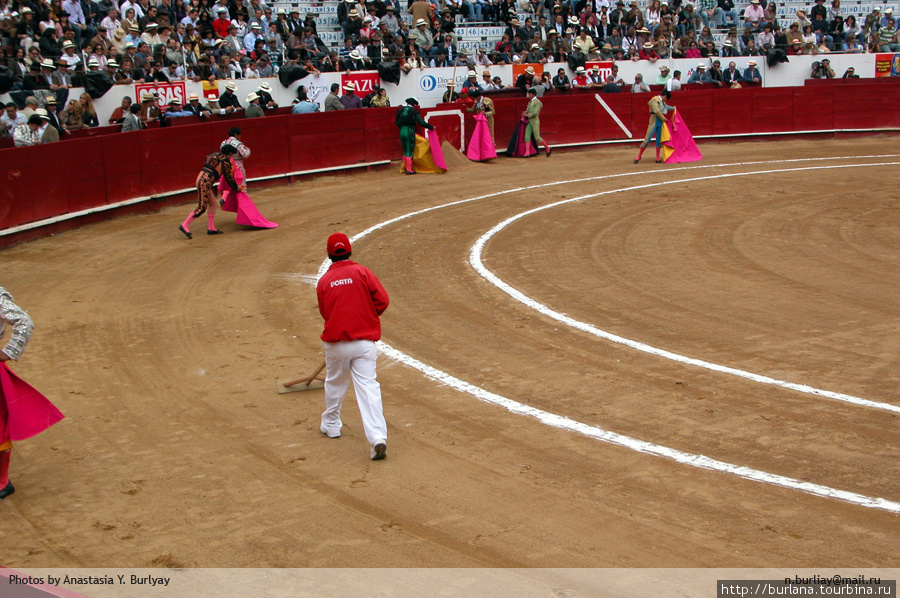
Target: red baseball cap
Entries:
(338, 245)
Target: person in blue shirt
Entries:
(303, 105)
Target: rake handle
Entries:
(307, 380)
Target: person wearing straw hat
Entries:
(253, 108)
(351, 300)
(229, 99)
(450, 95)
(406, 119)
(700, 75)
(217, 165)
(265, 96)
(350, 99)
(422, 37)
(658, 109)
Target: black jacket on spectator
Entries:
(229, 99)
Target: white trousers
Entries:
(354, 360)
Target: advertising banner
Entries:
(364, 81)
(887, 65)
(166, 92)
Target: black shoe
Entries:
(408, 172)
(9, 489)
(186, 234)
(221, 203)
(549, 151)
(659, 161)
(214, 231)
(636, 161)
(379, 451)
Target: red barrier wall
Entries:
(101, 167)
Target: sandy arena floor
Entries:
(177, 451)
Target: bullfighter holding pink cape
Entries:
(24, 412)
(239, 202)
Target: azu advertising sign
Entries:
(165, 91)
(365, 81)
(887, 65)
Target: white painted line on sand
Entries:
(558, 421)
(476, 262)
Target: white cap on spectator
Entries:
(573, 20)
(471, 74)
(535, 46)
(529, 70)
(888, 10)
(193, 97)
(147, 97)
(129, 45)
(230, 86)
(350, 86)
(255, 26)
(47, 63)
(68, 44)
(93, 62)
(648, 45)
(212, 99)
(174, 101)
(701, 66)
(112, 63)
(221, 9)
(421, 22)
(42, 113)
(354, 55)
(151, 26)
(728, 43)
(367, 20)
(252, 97)
(25, 11)
(752, 63)
(265, 87)
(579, 70)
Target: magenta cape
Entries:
(240, 202)
(680, 146)
(437, 152)
(24, 412)
(481, 146)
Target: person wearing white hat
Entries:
(250, 38)
(699, 75)
(350, 99)
(265, 96)
(471, 81)
(228, 99)
(422, 37)
(194, 107)
(580, 80)
(752, 74)
(253, 109)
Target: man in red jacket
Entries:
(350, 300)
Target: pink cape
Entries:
(437, 153)
(680, 146)
(481, 146)
(24, 412)
(240, 202)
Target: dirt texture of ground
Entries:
(176, 451)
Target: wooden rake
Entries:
(308, 383)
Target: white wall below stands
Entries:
(428, 85)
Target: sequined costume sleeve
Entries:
(21, 325)
(218, 160)
(228, 172)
